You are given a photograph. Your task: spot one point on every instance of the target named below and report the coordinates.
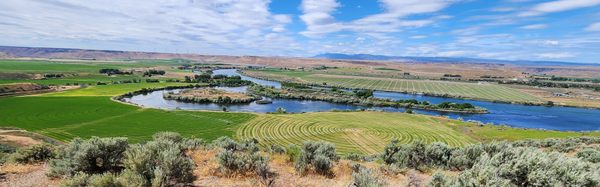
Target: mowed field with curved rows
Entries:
(485, 91)
(364, 132)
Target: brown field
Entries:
(571, 96)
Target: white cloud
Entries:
(418, 37)
(317, 16)
(558, 6)
(502, 9)
(467, 31)
(534, 26)
(218, 26)
(593, 27)
(556, 55)
(319, 20)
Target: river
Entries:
(523, 116)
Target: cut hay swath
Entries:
(362, 132)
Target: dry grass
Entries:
(207, 173)
(25, 175)
(576, 97)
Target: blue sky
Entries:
(560, 30)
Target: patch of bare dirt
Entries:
(25, 175)
(21, 141)
(207, 173)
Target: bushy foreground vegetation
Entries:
(166, 161)
(521, 163)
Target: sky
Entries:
(556, 30)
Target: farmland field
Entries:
(64, 118)
(485, 91)
(369, 132)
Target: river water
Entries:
(538, 117)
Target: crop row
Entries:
(360, 135)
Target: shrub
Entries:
(438, 154)
(590, 155)
(96, 155)
(409, 155)
(192, 143)
(438, 179)
(77, 180)
(364, 177)
(355, 157)
(130, 178)
(167, 136)
(293, 152)
(242, 157)
(159, 162)
(465, 158)
(319, 155)
(105, 180)
(529, 167)
(83, 179)
(33, 154)
(277, 149)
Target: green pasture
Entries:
(64, 118)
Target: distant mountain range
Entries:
(415, 59)
(69, 53)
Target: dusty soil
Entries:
(207, 172)
(25, 175)
(20, 141)
(19, 88)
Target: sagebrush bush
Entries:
(167, 136)
(112, 162)
(317, 155)
(193, 143)
(530, 167)
(417, 155)
(96, 180)
(363, 177)
(590, 155)
(159, 162)
(104, 180)
(354, 157)
(96, 155)
(242, 157)
(438, 179)
(277, 149)
(34, 154)
(77, 180)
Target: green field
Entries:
(64, 118)
(366, 132)
(484, 91)
(369, 132)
